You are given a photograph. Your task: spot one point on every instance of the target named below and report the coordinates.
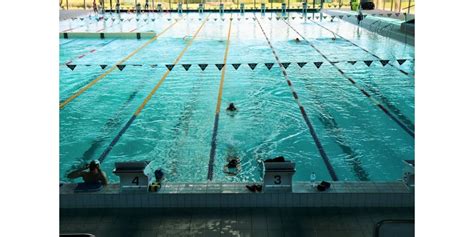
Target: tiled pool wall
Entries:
(173, 195)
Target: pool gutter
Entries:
(211, 194)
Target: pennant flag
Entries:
(401, 61)
(317, 17)
(285, 65)
(352, 62)
(285, 18)
(220, 66)
(82, 18)
(384, 62)
(318, 64)
(202, 66)
(325, 17)
(373, 14)
(381, 14)
(113, 19)
(121, 66)
(215, 19)
(97, 19)
(71, 66)
(254, 18)
(389, 14)
(129, 19)
(293, 18)
(341, 16)
(301, 64)
(397, 14)
(87, 65)
(137, 19)
(103, 66)
(301, 17)
(170, 66)
(269, 65)
(122, 19)
(153, 65)
(238, 19)
(186, 66)
(236, 65)
(364, 16)
(269, 18)
(169, 19)
(246, 18)
(222, 19)
(278, 18)
(332, 17)
(200, 19)
(368, 62)
(137, 65)
(309, 18)
(252, 65)
(153, 19)
(348, 16)
(145, 20)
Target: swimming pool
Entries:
(330, 105)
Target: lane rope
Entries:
(362, 90)
(75, 95)
(212, 154)
(323, 154)
(149, 96)
(365, 50)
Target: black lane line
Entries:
(330, 124)
(212, 153)
(367, 51)
(303, 111)
(109, 148)
(111, 125)
(376, 102)
(393, 108)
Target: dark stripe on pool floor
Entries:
(365, 50)
(402, 125)
(323, 154)
(212, 155)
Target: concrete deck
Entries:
(209, 222)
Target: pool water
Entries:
(174, 130)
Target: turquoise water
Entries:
(175, 128)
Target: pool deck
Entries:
(196, 195)
(378, 25)
(209, 222)
(68, 14)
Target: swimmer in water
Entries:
(231, 107)
(232, 167)
(233, 162)
(297, 40)
(231, 110)
(187, 38)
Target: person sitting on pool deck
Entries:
(94, 175)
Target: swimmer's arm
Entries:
(76, 174)
(103, 178)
